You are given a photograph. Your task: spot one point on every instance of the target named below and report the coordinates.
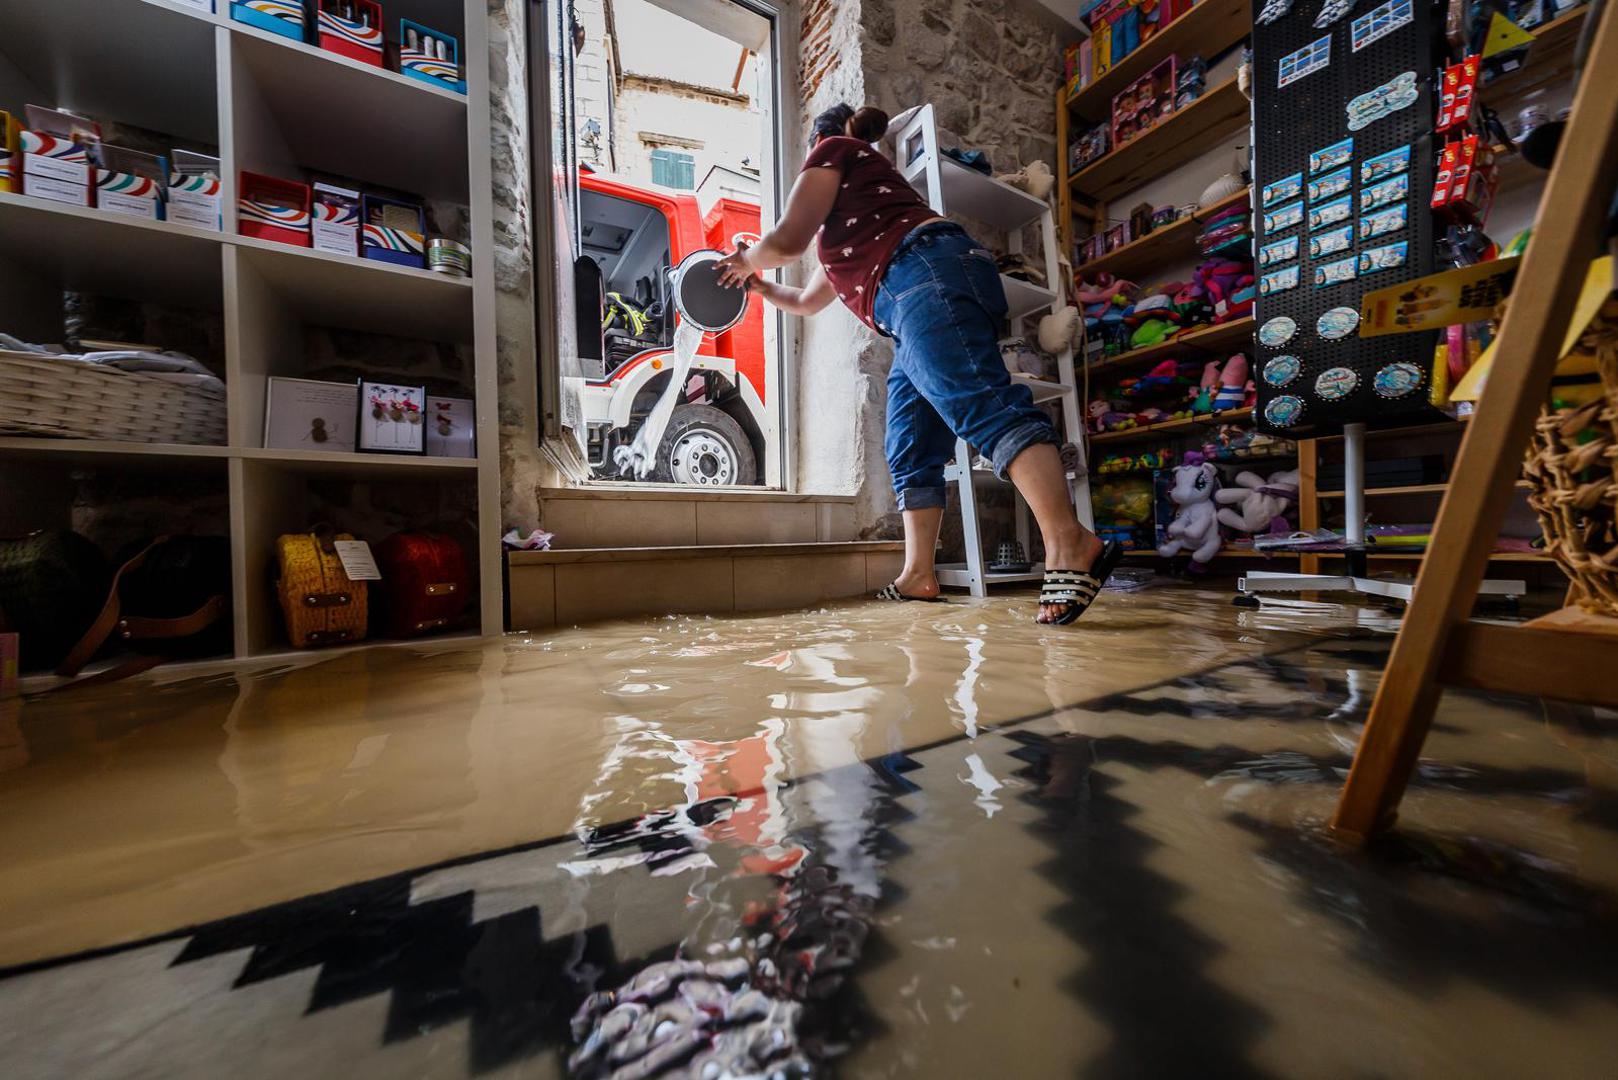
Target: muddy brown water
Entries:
(869, 840)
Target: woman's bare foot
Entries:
(1075, 550)
(917, 583)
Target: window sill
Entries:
(685, 493)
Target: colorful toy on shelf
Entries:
(393, 231)
(269, 208)
(352, 28)
(1230, 231)
(1258, 505)
(1167, 379)
(284, 17)
(430, 56)
(1144, 103)
(1207, 389)
(1195, 527)
(1107, 416)
(1227, 286)
(1233, 384)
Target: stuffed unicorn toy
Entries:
(1256, 505)
(1195, 527)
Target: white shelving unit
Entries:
(952, 188)
(267, 104)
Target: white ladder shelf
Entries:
(952, 188)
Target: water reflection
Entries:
(868, 841)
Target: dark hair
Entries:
(868, 124)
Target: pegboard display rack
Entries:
(1294, 125)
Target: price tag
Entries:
(358, 562)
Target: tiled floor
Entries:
(869, 840)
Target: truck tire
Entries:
(705, 447)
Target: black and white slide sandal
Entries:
(890, 591)
(1078, 589)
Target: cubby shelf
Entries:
(1186, 134)
(265, 104)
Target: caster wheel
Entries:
(1245, 601)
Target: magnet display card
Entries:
(1333, 183)
(1282, 190)
(1330, 243)
(1283, 218)
(1280, 251)
(1331, 213)
(1278, 282)
(1330, 157)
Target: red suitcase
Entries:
(424, 586)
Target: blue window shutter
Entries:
(674, 170)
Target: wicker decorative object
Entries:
(1572, 462)
(47, 395)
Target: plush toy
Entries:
(1195, 527)
(1257, 505)
(1035, 178)
(1202, 401)
(1232, 384)
(1226, 285)
(1059, 330)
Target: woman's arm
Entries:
(807, 209)
(812, 298)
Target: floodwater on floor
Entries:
(872, 840)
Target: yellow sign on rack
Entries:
(1465, 294)
(1598, 285)
(1503, 36)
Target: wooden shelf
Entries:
(1550, 60)
(1188, 133)
(1236, 333)
(1151, 430)
(1417, 556)
(317, 462)
(1173, 243)
(1206, 30)
(1408, 489)
(91, 452)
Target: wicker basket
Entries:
(47, 395)
(1571, 463)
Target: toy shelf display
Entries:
(234, 206)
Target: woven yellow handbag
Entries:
(322, 607)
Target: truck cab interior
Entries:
(623, 284)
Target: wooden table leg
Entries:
(1567, 235)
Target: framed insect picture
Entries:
(306, 414)
(392, 418)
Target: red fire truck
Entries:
(633, 236)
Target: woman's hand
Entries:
(734, 272)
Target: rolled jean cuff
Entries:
(921, 498)
(1018, 439)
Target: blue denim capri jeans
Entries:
(942, 303)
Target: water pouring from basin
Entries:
(705, 307)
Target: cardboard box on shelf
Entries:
(394, 231)
(430, 56)
(57, 150)
(336, 220)
(351, 28)
(284, 17)
(131, 183)
(194, 190)
(269, 208)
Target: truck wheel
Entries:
(705, 447)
